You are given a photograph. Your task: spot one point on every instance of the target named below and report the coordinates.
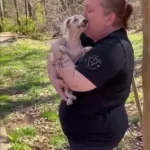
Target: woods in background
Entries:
(34, 17)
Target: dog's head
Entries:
(75, 23)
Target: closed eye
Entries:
(89, 9)
(75, 20)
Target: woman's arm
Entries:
(66, 69)
(96, 68)
(74, 79)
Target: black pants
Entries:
(84, 147)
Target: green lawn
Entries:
(25, 89)
(28, 101)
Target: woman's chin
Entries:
(87, 33)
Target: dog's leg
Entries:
(70, 96)
(62, 49)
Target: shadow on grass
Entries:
(22, 88)
(25, 56)
(12, 106)
(8, 106)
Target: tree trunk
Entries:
(1, 9)
(146, 74)
(5, 8)
(45, 8)
(30, 9)
(26, 9)
(17, 12)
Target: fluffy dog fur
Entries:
(72, 29)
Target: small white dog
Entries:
(73, 27)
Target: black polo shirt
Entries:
(98, 116)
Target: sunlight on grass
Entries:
(134, 119)
(125, 143)
(58, 141)
(4, 98)
(131, 98)
(50, 115)
(20, 146)
(19, 133)
(137, 40)
(24, 78)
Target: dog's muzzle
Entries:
(83, 24)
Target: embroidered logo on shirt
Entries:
(92, 62)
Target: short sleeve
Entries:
(103, 62)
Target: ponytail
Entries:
(126, 15)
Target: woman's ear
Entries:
(111, 19)
(65, 26)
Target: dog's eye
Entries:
(75, 20)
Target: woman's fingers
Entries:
(61, 93)
(62, 83)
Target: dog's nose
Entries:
(85, 21)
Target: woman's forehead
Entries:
(92, 3)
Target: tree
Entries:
(146, 74)
(17, 12)
(26, 8)
(1, 9)
(30, 9)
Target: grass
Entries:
(4, 98)
(50, 115)
(134, 119)
(136, 40)
(24, 84)
(58, 141)
(18, 134)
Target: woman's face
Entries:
(98, 21)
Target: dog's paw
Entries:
(69, 102)
(62, 49)
(74, 97)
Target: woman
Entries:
(101, 80)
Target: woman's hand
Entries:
(59, 86)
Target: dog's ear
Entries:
(65, 26)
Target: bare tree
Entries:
(26, 8)
(17, 11)
(1, 9)
(30, 9)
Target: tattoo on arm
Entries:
(62, 62)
